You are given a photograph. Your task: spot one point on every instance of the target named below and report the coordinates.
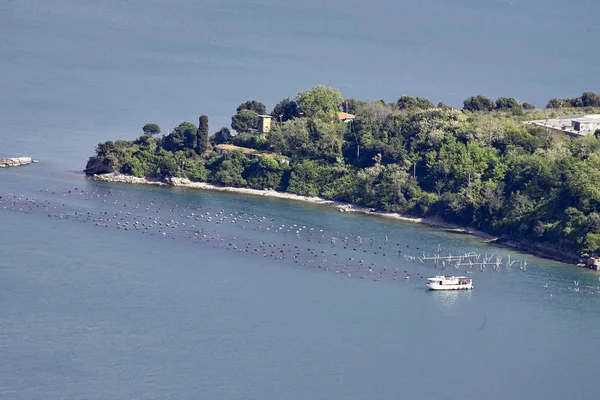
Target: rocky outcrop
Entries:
(120, 178)
(15, 162)
(99, 165)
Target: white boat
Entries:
(449, 283)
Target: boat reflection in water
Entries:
(450, 298)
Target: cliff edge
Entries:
(100, 165)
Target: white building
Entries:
(575, 125)
(588, 123)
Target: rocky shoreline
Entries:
(16, 161)
(531, 248)
(343, 207)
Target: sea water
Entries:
(92, 310)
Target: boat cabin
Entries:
(449, 282)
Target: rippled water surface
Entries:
(125, 292)
(250, 298)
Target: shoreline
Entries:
(341, 206)
(534, 249)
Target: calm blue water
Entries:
(86, 72)
(89, 311)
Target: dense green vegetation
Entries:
(587, 99)
(479, 167)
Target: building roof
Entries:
(565, 124)
(231, 147)
(246, 150)
(344, 115)
(272, 155)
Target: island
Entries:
(16, 161)
(527, 178)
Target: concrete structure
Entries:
(574, 125)
(264, 126)
(593, 263)
(584, 124)
(224, 148)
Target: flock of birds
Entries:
(375, 259)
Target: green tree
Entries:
(252, 141)
(106, 148)
(167, 166)
(443, 105)
(479, 103)
(371, 125)
(590, 99)
(264, 173)
(151, 129)
(485, 130)
(576, 102)
(203, 144)
(245, 120)
(350, 106)
(392, 188)
(285, 110)
(292, 139)
(184, 137)
(558, 103)
(581, 179)
(320, 102)
(325, 140)
(528, 106)
(253, 105)
(223, 135)
(413, 103)
(591, 243)
(134, 166)
(229, 168)
(306, 178)
(507, 103)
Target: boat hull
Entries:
(447, 287)
(436, 286)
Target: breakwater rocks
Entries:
(15, 162)
(120, 178)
